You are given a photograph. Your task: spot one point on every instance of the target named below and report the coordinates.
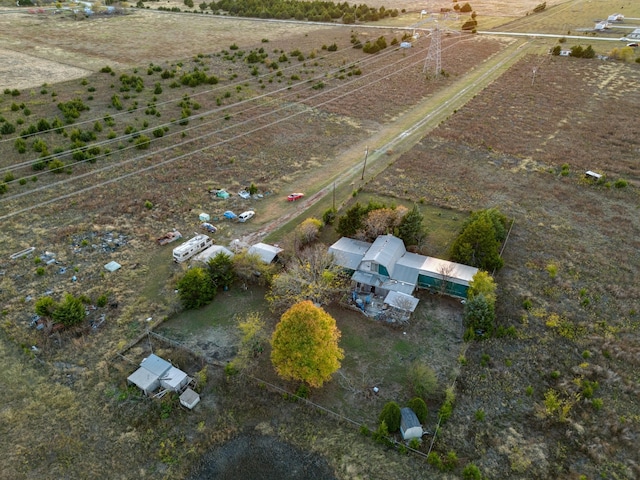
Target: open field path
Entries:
(347, 173)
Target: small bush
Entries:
(471, 472)
(102, 301)
(390, 415)
(620, 183)
(419, 407)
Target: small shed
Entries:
(156, 365)
(211, 252)
(174, 379)
(189, 399)
(144, 380)
(401, 301)
(266, 252)
(410, 426)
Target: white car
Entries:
(244, 194)
(244, 216)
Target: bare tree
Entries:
(312, 275)
(445, 270)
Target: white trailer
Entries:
(191, 247)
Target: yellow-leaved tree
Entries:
(304, 345)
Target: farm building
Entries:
(385, 266)
(348, 252)
(156, 372)
(267, 253)
(410, 426)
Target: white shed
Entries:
(410, 426)
(189, 399)
(174, 379)
(266, 252)
(211, 252)
(145, 380)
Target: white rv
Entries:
(191, 247)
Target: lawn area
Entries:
(221, 313)
(442, 224)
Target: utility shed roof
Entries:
(265, 251)
(211, 252)
(348, 252)
(454, 272)
(407, 267)
(396, 286)
(385, 251)
(189, 398)
(144, 380)
(156, 365)
(173, 379)
(366, 278)
(401, 301)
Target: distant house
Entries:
(156, 372)
(635, 35)
(267, 253)
(410, 426)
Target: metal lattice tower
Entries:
(433, 62)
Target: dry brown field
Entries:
(66, 412)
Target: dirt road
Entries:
(346, 174)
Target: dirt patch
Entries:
(265, 457)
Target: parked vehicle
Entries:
(244, 194)
(219, 193)
(191, 247)
(632, 45)
(244, 216)
(229, 215)
(208, 227)
(169, 237)
(295, 196)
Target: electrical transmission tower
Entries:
(433, 62)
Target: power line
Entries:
(170, 160)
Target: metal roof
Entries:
(266, 252)
(408, 419)
(455, 272)
(348, 253)
(398, 286)
(401, 301)
(385, 251)
(407, 267)
(144, 380)
(211, 252)
(155, 364)
(366, 278)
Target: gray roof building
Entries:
(348, 253)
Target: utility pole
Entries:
(366, 154)
(334, 195)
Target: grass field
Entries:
(557, 399)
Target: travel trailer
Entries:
(191, 247)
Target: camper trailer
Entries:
(191, 247)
